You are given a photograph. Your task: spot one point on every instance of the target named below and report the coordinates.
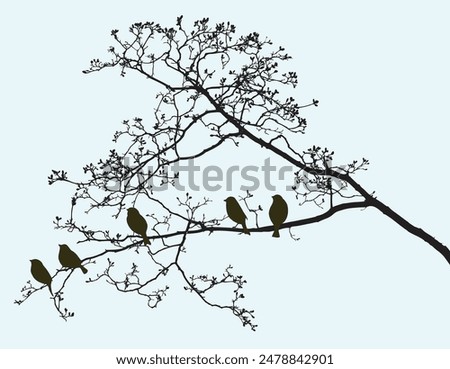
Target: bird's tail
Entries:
(83, 269)
(245, 229)
(146, 240)
(276, 233)
(50, 288)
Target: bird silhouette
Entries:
(69, 259)
(41, 274)
(138, 224)
(236, 213)
(278, 213)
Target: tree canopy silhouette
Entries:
(216, 88)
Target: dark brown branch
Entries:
(370, 200)
(419, 232)
(295, 223)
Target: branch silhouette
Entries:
(218, 90)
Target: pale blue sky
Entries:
(380, 71)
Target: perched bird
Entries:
(69, 259)
(278, 213)
(41, 274)
(236, 213)
(138, 224)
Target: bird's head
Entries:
(276, 197)
(63, 246)
(132, 210)
(228, 199)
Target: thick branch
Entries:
(419, 232)
(295, 223)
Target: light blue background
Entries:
(380, 70)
